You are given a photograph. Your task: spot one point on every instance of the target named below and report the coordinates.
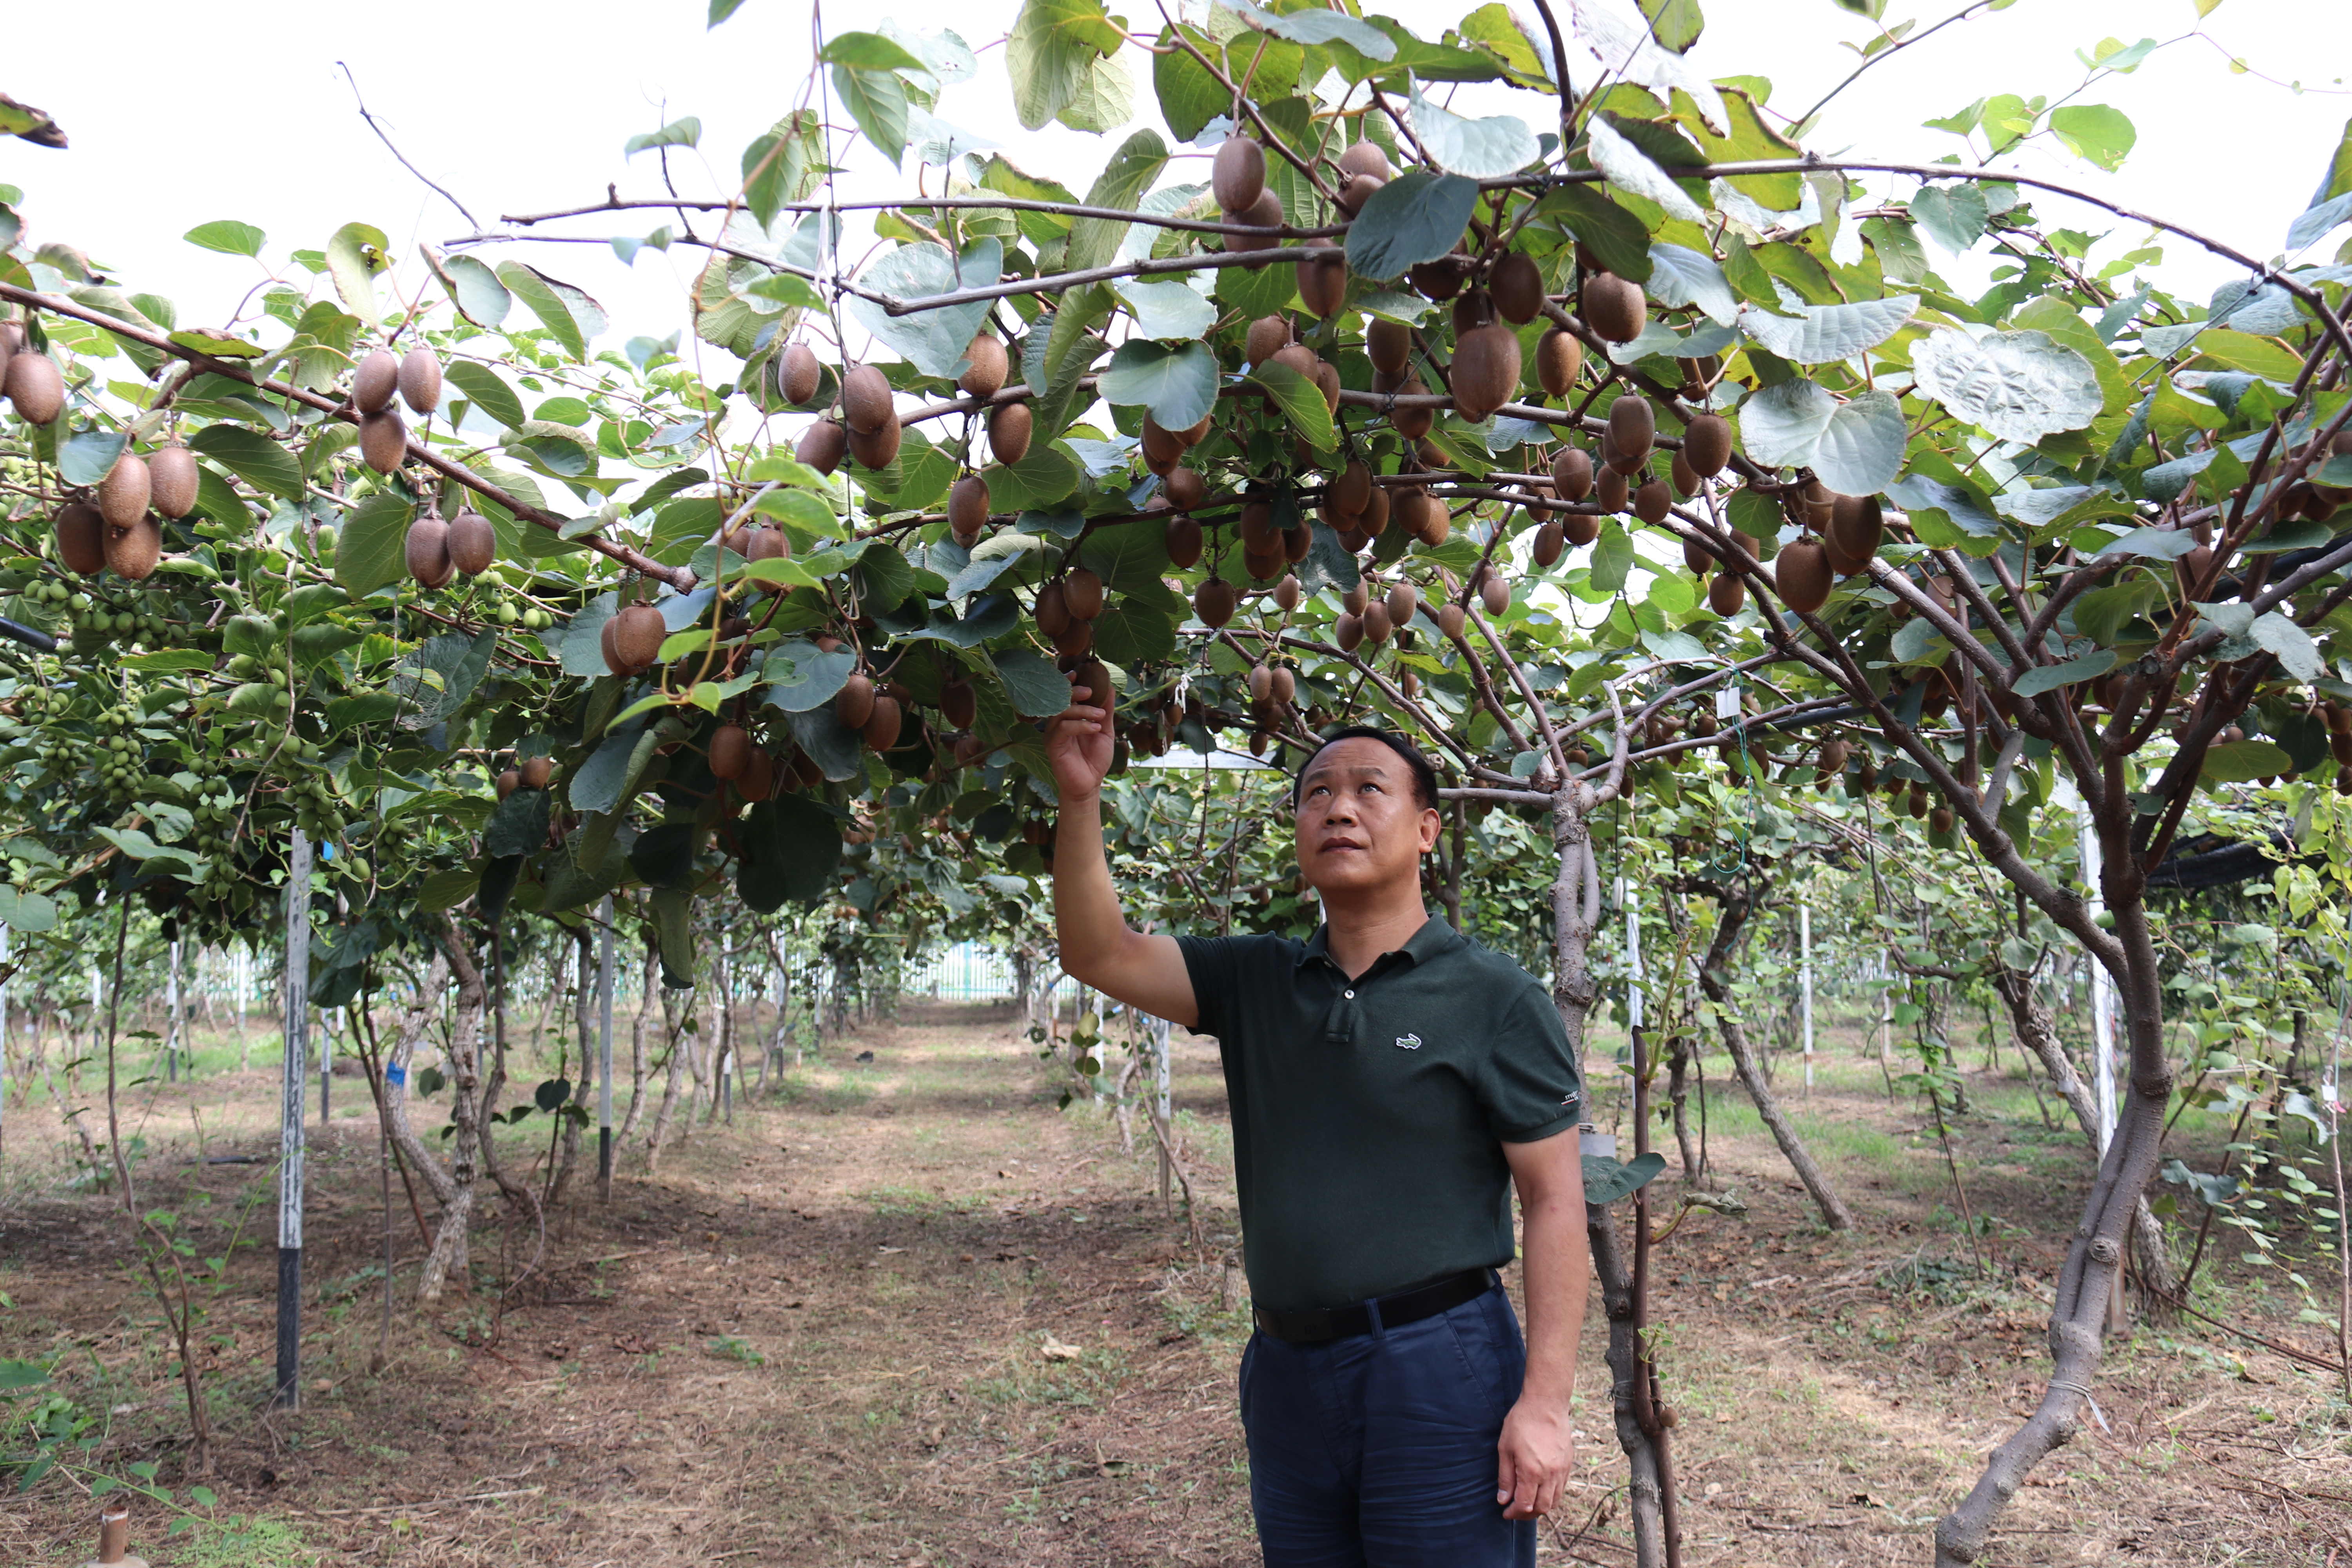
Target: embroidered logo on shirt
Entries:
(1408, 1042)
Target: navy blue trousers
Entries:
(1378, 1451)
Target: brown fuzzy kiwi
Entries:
(1323, 285)
(1495, 594)
(420, 380)
(1842, 564)
(1697, 557)
(12, 343)
(1582, 527)
(1351, 488)
(878, 447)
(880, 730)
(985, 376)
(1354, 600)
(1296, 542)
(1257, 526)
(123, 494)
(959, 703)
(758, 779)
(1053, 610)
(1707, 444)
(1439, 527)
(172, 476)
(1298, 356)
(1414, 510)
(1266, 213)
(384, 440)
(1268, 335)
(1559, 360)
(638, 635)
(1288, 593)
(1375, 515)
(427, 552)
(1613, 306)
(768, 544)
(1940, 819)
(1215, 601)
(853, 703)
(1571, 473)
(1727, 594)
(511, 780)
(1377, 624)
(81, 539)
(1184, 542)
(606, 641)
(1160, 444)
(1083, 591)
(1486, 371)
(1857, 524)
(1009, 428)
(1238, 174)
(823, 446)
(1653, 501)
(1611, 491)
(1551, 543)
(798, 373)
(1326, 377)
(1366, 158)
(1359, 189)
(536, 772)
(1348, 631)
(1185, 489)
(1262, 567)
(37, 389)
(865, 400)
(730, 751)
(1261, 683)
(1193, 434)
(132, 552)
(1517, 284)
(375, 382)
(1413, 423)
(1390, 344)
(1817, 501)
(1685, 482)
(1403, 603)
(1801, 573)
(1632, 426)
(1472, 307)
(473, 543)
(1442, 278)
(968, 504)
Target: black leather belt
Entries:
(1318, 1324)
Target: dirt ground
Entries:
(911, 1311)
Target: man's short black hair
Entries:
(1424, 776)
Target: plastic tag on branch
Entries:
(1727, 700)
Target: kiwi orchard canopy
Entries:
(1529, 435)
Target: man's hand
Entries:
(1537, 1450)
(1078, 746)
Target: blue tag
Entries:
(394, 1073)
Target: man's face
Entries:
(1358, 824)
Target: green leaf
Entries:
(869, 51)
(792, 851)
(28, 913)
(1782, 426)
(800, 676)
(1617, 239)
(1094, 242)
(2278, 636)
(721, 10)
(1318, 27)
(518, 826)
(1612, 557)
(1189, 96)
(2021, 386)
(1489, 149)
(1050, 54)
(1632, 170)
(877, 99)
(1177, 383)
(2236, 762)
(354, 256)
(1300, 400)
(228, 236)
(86, 456)
(2051, 677)
(1606, 1181)
(1105, 100)
(1129, 633)
(489, 392)
(2095, 131)
(474, 289)
(686, 132)
(251, 457)
(1170, 311)
(1823, 334)
(1951, 216)
(1043, 476)
(783, 165)
(372, 547)
(1416, 217)
(1038, 690)
(537, 291)
(933, 340)
(1862, 450)
(169, 660)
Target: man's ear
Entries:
(1432, 826)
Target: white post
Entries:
(1633, 957)
(2103, 1000)
(1805, 983)
(1161, 1032)
(604, 1055)
(294, 1061)
(3, 1042)
(171, 1031)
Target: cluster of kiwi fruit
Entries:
(1068, 607)
(116, 530)
(414, 378)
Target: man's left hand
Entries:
(1536, 1452)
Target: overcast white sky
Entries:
(236, 109)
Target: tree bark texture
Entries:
(448, 1258)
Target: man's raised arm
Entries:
(1097, 949)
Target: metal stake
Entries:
(288, 1394)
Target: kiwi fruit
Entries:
(36, 387)
(427, 552)
(1377, 624)
(1413, 508)
(1697, 557)
(1295, 543)
(1184, 542)
(1185, 489)
(1348, 631)
(1707, 444)
(1298, 357)
(983, 377)
(1632, 426)
(1559, 359)
(1495, 594)
(1817, 501)
(1613, 306)
(1403, 603)
(1323, 285)
(638, 632)
(1261, 683)
(420, 380)
(1083, 591)
(968, 504)
(1215, 601)
(853, 703)
(1486, 371)
(375, 382)
(1801, 573)
(123, 494)
(958, 704)
(1288, 593)
(511, 780)
(81, 539)
(878, 447)
(1439, 279)
(172, 479)
(865, 400)
(1686, 482)
(1262, 566)
(1653, 501)
(1473, 308)
(1452, 620)
(132, 552)
(607, 641)
(384, 440)
(1413, 423)
(1375, 515)
(1359, 189)
(1053, 610)
(473, 543)
(730, 751)
(1517, 284)
(536, 772)
(1439, 527)
(1009, 427)
(1366, 158)
(1727, 594)
(1351, 488)
(1857, 524)
(1268, 335)
(758, 779)
(12, 344)
(798, 376)
(1571, 473)
(1940, 819)
(1390, 344)
(1161, 447)
(1610, 493)
(1326, 377)
(823, 446)
(1266, 213)
(880, 730)
(1076, 637)
(1582, 527)
(1551, 543)
(1238, 174)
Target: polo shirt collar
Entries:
(1435, 938)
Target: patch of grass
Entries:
(257, 1543)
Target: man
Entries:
(1390, 1082)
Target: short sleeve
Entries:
(1210, 961)
(1531, 1087)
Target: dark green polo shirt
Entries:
(1368, 1117)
